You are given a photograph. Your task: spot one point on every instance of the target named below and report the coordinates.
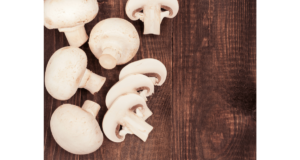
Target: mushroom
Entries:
(122, 113)
(70, 16)
(131, 84)
(75, 129)
(152, 68)
(66, 72)
(114, 41)
(149, 11)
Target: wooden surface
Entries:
(207, 107)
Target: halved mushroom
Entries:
(114, 41)
(75, 129)
(122, 113)
(66, 72)
(149, 11)
(150, 67)
(70, 16)
(131, 84)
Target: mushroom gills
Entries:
(133, 124)
(154, 69)
(133, 83)
(141, 16)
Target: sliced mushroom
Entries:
(152, 68)
(75, 129)
(114, 41)
(122, 113)
(149, 11)
(130, 84)
(66, 72)
(70, 16)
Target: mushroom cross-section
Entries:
(152, 14)
(75, 129)
(114, 41)
(70, 16)
(152, 68)
(122, 113)
(66, 72)
(130, 84)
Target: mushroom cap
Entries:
(133, 6)
(116, 34)
(123, 104)
(130, 84)
(64, 72)
(149, 66)
(75, 130)
(69, 13)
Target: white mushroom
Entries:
(151, 13)
(114, 41)
(70, 16)
(152, 68)
(130, 84)
(75, 129)
(66, 72)
(122, 113)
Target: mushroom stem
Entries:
(144, 94)
(109, 58)
(137, 126)
(124, 131)
(145, 115)
(91, 81)
(91, 107)
(76, 36)
(152, 19)
(139, 112)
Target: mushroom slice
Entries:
(114, 41)
(66, 72)
(152, 68)
(70, 16)
(152, 14)
(130, 84)
(75, 129)
(121, 113)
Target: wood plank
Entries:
(214, 80)
(207, 107)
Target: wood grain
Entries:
(207, 107)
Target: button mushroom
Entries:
(66, 72)
(131, 84)
(122, 113)
(149, 11)
(70, 16)
(114, 41)
(152, 68)
(75, 129)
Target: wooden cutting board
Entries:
(207, 107)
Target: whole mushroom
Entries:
(66, 72)
(138, 84)
(70, 16)
(121, 113)
(150, 67)
(149, 11)
(114, 41)
(75, 129)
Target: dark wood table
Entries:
(207, 107)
